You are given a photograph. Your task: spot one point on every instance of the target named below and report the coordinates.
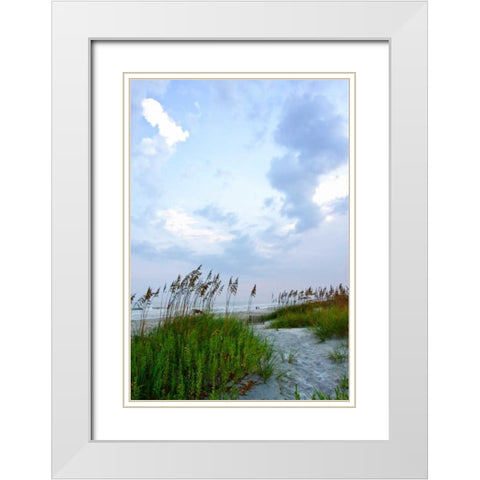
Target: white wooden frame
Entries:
(75, 26)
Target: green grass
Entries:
(293, 312)
(339, 354)
(326, 321)
(332, 323)
(199, 357)
(296, 394)
(341, 392)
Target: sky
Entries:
(248, 178)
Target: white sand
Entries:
(309, 367)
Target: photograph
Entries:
(239, 215)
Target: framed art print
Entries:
(239, 194)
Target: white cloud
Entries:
(331, 187)
(148, 146)
(156, 116)
(265, 249)
(289, 227)
(183, 225)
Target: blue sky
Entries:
(247, 177)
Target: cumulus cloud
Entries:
(156, 116)
(241, 254)
(185, 226)
(310, 127)
(268, 202)
(331, 194)
(313, 136)
(148, 250)
(214, 214)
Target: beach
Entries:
(304, 365)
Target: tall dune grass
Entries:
(191, 354)
(191, 295)
(323, 310)
(332, 295)
(200, 357)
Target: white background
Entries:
(454, 239)
(369, 420)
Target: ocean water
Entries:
(156, 311)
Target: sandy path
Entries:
(303, 361)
